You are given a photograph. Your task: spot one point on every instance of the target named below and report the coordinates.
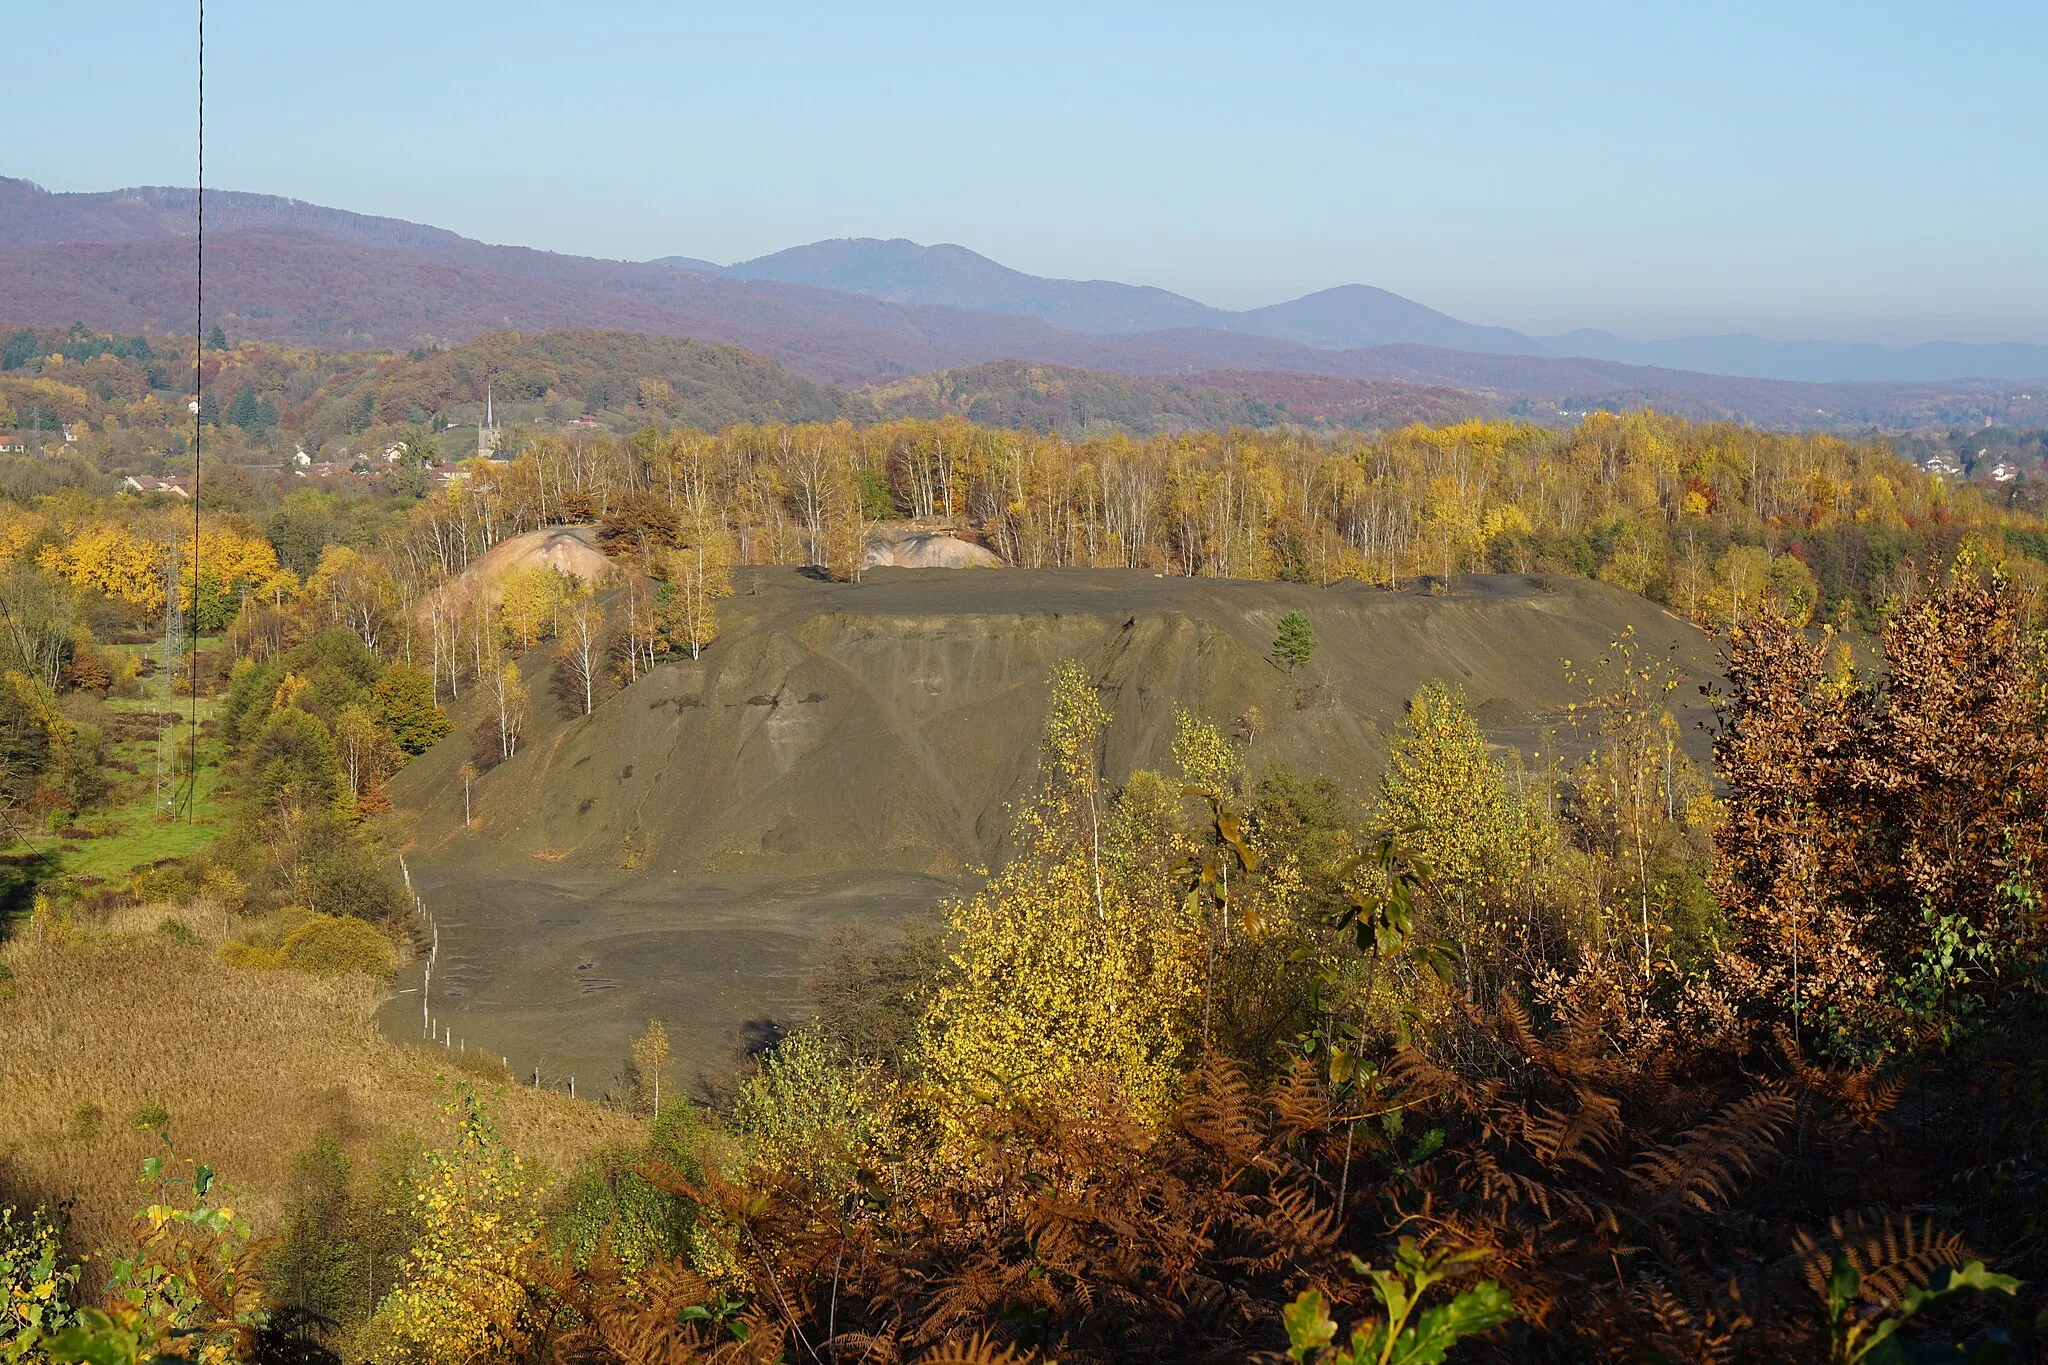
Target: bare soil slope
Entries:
(889, 723)
(851, 750)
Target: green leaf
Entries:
(1842, 1285)
(1481, 1308)
(1308, 1323)
(94, 1339)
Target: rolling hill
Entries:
(1348, 316)
(282, 270)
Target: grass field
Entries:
(143, 824)
(121, 1018)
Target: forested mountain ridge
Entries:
(267, 400)
(298, 273)
(1054, 398)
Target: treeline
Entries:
(1720, 523)
(257, 398)
(1716, 521)
(1078, 403)
(1595, 1060)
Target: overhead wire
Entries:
(198, 387)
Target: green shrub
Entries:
(35, 1284)
(334, 945)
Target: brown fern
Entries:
(1890, 1251)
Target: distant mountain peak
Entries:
(852, 309)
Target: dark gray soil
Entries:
(559, 972)
(851, 751)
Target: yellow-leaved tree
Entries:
(1080, 962)
(110, 558)
(460, 1295)
(700, 573)
(507, 691)
(530, 601)
(1447, 800)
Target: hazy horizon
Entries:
(1843, 173)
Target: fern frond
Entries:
(1891, 1251)
(979, 1350)
(1701, 1169)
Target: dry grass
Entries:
(249, 1065)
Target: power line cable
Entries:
(198, 377)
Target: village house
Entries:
(148, 483)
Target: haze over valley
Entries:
(865, 312)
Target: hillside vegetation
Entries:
(1048, 398)
(1591, 1052)
(339, 402)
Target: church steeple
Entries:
(487, 430)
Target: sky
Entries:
(1870, 171)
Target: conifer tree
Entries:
(1295, 644)
(403, 702)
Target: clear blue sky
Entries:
(1871, 170)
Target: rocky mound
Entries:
(919, 549)
(849, 753)
(890, 723)
(571, 549)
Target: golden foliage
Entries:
(1071, 961)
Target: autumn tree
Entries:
(355, 591)
(1879, 851)
(1447, 800)
(642, 619)
(580, 644)
(1079, 958)
(460, 1292)
(508, 699)
(700, 574)
(845, 521)
(367, 755)
(650, 1065)
(530, 601)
